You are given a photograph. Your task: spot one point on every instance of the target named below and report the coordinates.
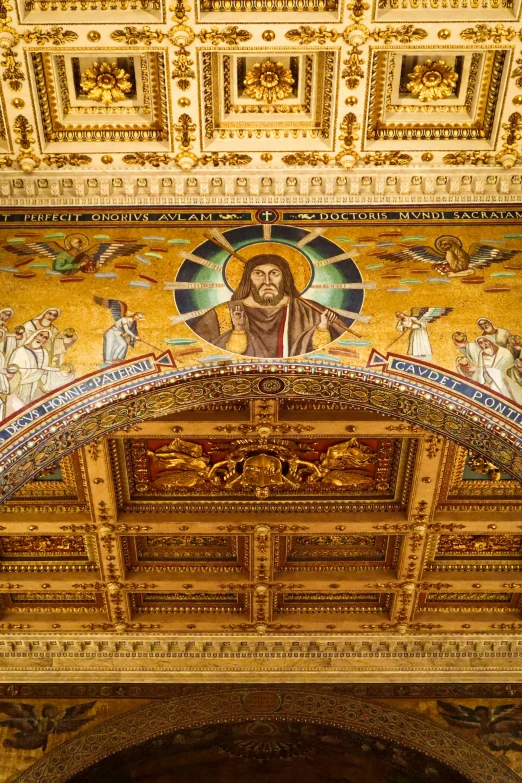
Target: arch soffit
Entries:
(307, 703)
(41, 441)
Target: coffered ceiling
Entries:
(246, 100)
(253, 535)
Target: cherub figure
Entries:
(76, 255)
(34, 730)
(498, 729)
(449, 258)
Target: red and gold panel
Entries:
(180, 552)
(465, 552)
(342, 602)
(62, 485)
(47, 553)
(194, 602)
(467, 478)
(51, 601)
(158, 469)
(469, 602)
(333, 551)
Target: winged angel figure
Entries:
(415, 324)
(76, 255)
(34, 730)
(449, 257)
(499, 728)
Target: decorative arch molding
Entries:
(61, 423)
(308, 703)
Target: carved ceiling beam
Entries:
(422, 501)
(220, 518)
(102, 496)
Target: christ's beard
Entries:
(270, 297)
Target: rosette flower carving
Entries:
(269, 82)
(432, 81)
(106, 83)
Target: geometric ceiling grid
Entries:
(222, 102)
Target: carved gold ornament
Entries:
(268, 82)
(54, 35)
(258, 465)
(432, 81)
(105, 83)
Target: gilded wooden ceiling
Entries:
(318, 529)
(232, 100)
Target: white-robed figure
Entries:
(416, 324)
(9, 402)
(7, 341)
(58, 343)
(493, 364)
(32, 361)
(496, 334)
(122, 334)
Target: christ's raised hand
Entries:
(238, 318)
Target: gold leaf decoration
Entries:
(60, 160)
(23, 130)
(482, 33)
(105, 83)
(353, 72)
(137, 35)
(387, 158)
(347, 157)
(432, 81)
(13, 73)
(508, 155)
(357, 9)
(269, 82)
(226, 159)
(231, 36)
(185, 131)
(155, 159)
(307, 159)
(463, 158)
(307, 35)
(406, 33)
(54, 35)
(517, 73)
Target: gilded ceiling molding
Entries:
(509, 154)
(275, 703)
(475, 184)
(56, 36)
(483, 33)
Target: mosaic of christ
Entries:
(266, 316)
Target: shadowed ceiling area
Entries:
(269, 752)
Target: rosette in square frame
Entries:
(102, 96)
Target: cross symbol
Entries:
(267, 216)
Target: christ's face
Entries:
(486, 326)
(267, 284)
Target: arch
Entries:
(307, 703)
(37, 441)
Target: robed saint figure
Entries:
(266, 317)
